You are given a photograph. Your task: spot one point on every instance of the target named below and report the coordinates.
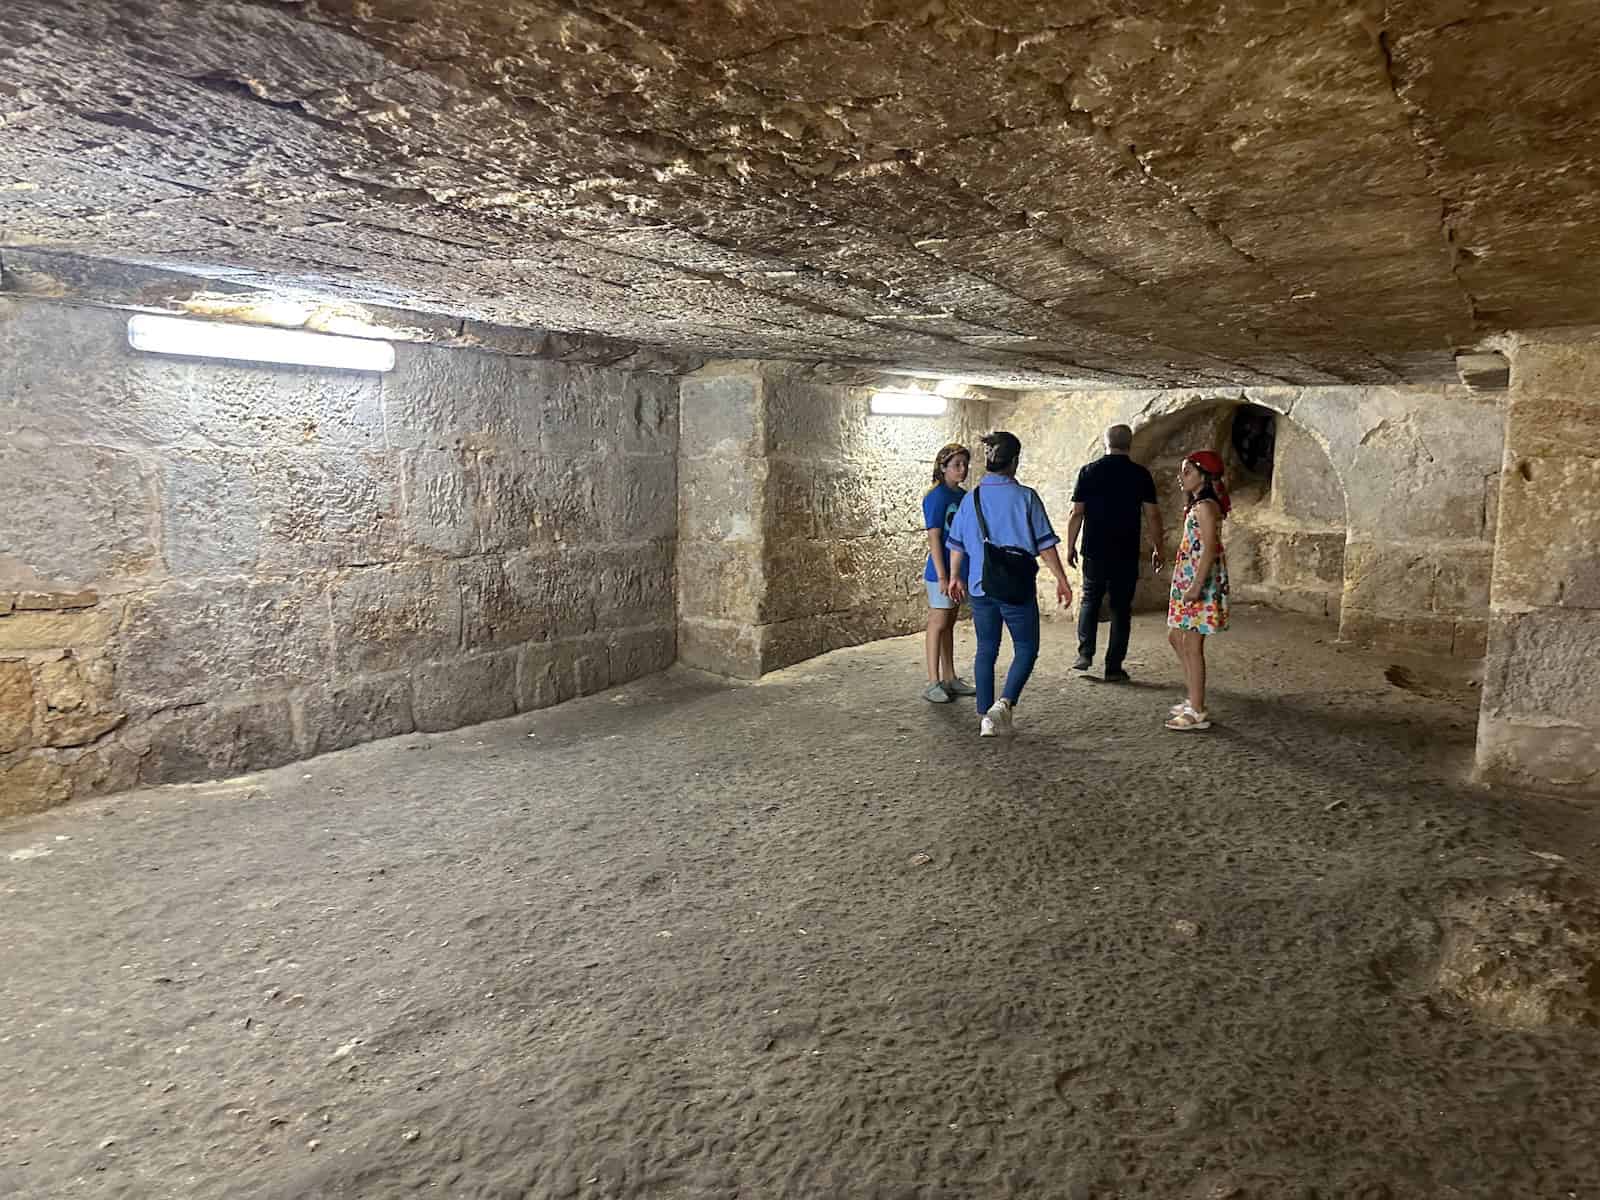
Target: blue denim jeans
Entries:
(1022, 620)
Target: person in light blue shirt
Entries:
(1016, 518)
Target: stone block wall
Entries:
(1418, 468)
(1540, 719)
(800, 516)
(211, 568)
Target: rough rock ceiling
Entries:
(1173, 191)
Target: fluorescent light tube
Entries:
(257, 343)
(908, 404)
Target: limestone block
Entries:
(1381, 577)
(720, 416)
(1555, 369)
(464, 691)
(802, 580)
(187, 643)
(387, 618)
(1542, 664)
(640, 652)
(1544, 425)
(1536, 753)
(75, 515)
(1304, 484)
(640, 497)
(591, 664)
(1484, 372)
(647, 412)
(918, 439)
(1471, 639)
(439, 502)
(784, 643)
(810, 420)
(250, 405)
(1305, 556)
(718, 580)
(327, 511)
(76, 629)
(544, 676)
(526, 501)
(1247, 556)
(1417, 468)
(526, 596)
(573, 410)
(356, 711)
(209, 741)
(721, 500)
(442, 399)
(74, 379)
(1420, 633)
(8, 601)
(16, 706)
(1461, 584)
(635, 585)
(211, 518)
(76, 701)
(31, 783)
(1548, 550)
(721, 647)
(790, 511)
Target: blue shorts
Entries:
(936, 598)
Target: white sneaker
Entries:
(997, 720)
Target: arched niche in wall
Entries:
(1286, 536)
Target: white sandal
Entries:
(1189, 720)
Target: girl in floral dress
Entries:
(1198, 603)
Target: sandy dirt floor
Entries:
(811, 938)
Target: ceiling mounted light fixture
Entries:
(908, 404)
(255, 343)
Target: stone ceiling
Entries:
(1122, 191)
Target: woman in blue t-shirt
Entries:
(938, 510)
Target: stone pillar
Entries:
(722, 486)
(1540, 722)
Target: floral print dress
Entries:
(1209, 614)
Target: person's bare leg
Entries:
(1194, 661)
(941, 625)
(947, 648)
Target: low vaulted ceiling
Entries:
(1163, 191)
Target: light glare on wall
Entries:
(254, 343)
(908, 404)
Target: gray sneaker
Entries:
(960, 687)
(935, 694)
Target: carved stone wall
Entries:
(210, 568)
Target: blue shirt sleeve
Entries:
(963, 535)
(1044, 534)
(933, 506)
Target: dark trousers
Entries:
(1114, 579)
(1022, 621)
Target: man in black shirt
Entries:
(1107, 502)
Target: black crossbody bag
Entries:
(1008, 571)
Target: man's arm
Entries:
(957, 590)
(1073, 527)
(1158, 534)
(1052, 559)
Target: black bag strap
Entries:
(977, 504)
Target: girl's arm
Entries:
(1206, 518)
(936, 549)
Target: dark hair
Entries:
(945, 455)
(1003, 451)
(1119, 437)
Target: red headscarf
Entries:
(1210, 464)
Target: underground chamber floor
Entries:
(812, 938)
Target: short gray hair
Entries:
(1119, 437)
